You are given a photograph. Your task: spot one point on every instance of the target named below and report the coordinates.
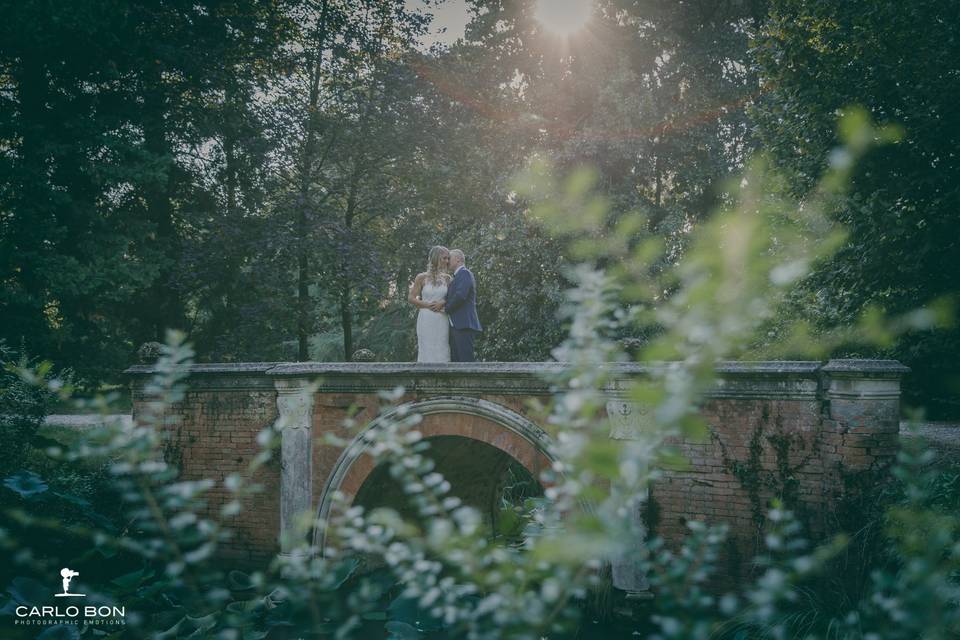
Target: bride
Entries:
(428, 288)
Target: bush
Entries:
(440, 573)
(24, 404)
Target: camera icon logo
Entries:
(68, 575)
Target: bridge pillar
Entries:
(862, 421)
(295, 424)
(626, 573)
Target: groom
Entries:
(461, 306)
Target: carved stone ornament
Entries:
(149, 352)
(294, 406)
(626, 419)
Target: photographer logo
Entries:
(68, 575)
(43, 614)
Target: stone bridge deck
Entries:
(815, 420)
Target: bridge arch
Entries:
(844, 415)
(471, 418)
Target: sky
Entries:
(559, 16)
(451, 14)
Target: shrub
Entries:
(24, 404)
(440, 574)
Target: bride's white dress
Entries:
(433, 329)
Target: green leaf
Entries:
(130, 581)
(374, 615)
(239, 581)
(401, 631)
(26, 483)
(60, 632)
(28, 591)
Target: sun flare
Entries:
(563, 17)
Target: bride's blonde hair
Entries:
(433, 263)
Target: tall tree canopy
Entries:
(903, 215)
(125, 140)
(269, 174)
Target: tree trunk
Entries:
(32, 197)
(346, 321)
(306, 164)
(657, 214)
(346, 314)
(303, 291)
(222, 297)
(168, 309)
(346, 289)
(659, 179)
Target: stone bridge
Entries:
(812, 421)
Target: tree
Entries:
(340, 114)
(902, 215)
(106, 106)
(650, 94)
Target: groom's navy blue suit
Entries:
(461, 306)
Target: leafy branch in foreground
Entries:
(440, 574)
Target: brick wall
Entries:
(757, 450)
(787, 430)
(213, 433)
(331, 410)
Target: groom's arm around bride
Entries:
(461, 306)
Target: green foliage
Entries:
(519, 269)
(441, 573)
(24, 404)
(902, 211)
(256, 173)
(129, 142)
(388, 333)
(260, 173)
(338, 155)
(327, 347)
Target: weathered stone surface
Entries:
(860, 369)
(149, 352)
(295, 422)
(627, 419)
(363, 355)
(817, 421)
(863, 415)
(787, 379)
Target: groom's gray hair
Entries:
(458, 252)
